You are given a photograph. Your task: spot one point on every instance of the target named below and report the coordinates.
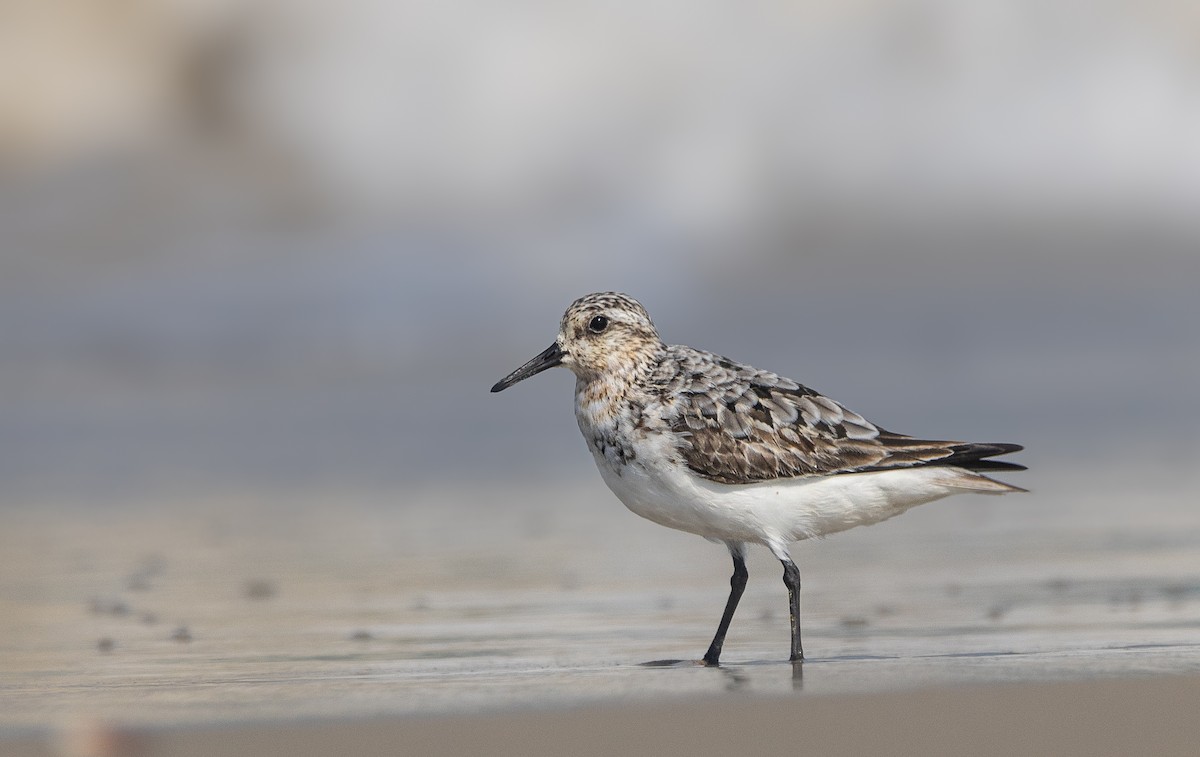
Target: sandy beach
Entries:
(336, 621)
(1066, 719)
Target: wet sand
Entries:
(458, 618)
(1065, 719)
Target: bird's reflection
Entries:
(736, 678)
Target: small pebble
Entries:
(259, 589)
(105, 645)
(181, 635)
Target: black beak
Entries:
(549, 358)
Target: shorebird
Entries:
(700, 443)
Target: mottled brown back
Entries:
(737, 424)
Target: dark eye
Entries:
(597, 324)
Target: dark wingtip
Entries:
(1003, 448)
(973, 457)
(498, 387)
(994, 465)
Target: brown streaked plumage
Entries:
(738, 425)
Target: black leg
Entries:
(791, 578)
(737, 584)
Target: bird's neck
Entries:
(600, 396)
(598, 400)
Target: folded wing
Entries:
(741, 425)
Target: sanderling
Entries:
(700, 443)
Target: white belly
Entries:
(775, 512)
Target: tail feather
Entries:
(972, 457)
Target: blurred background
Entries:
(272, 246)
(261, 261)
